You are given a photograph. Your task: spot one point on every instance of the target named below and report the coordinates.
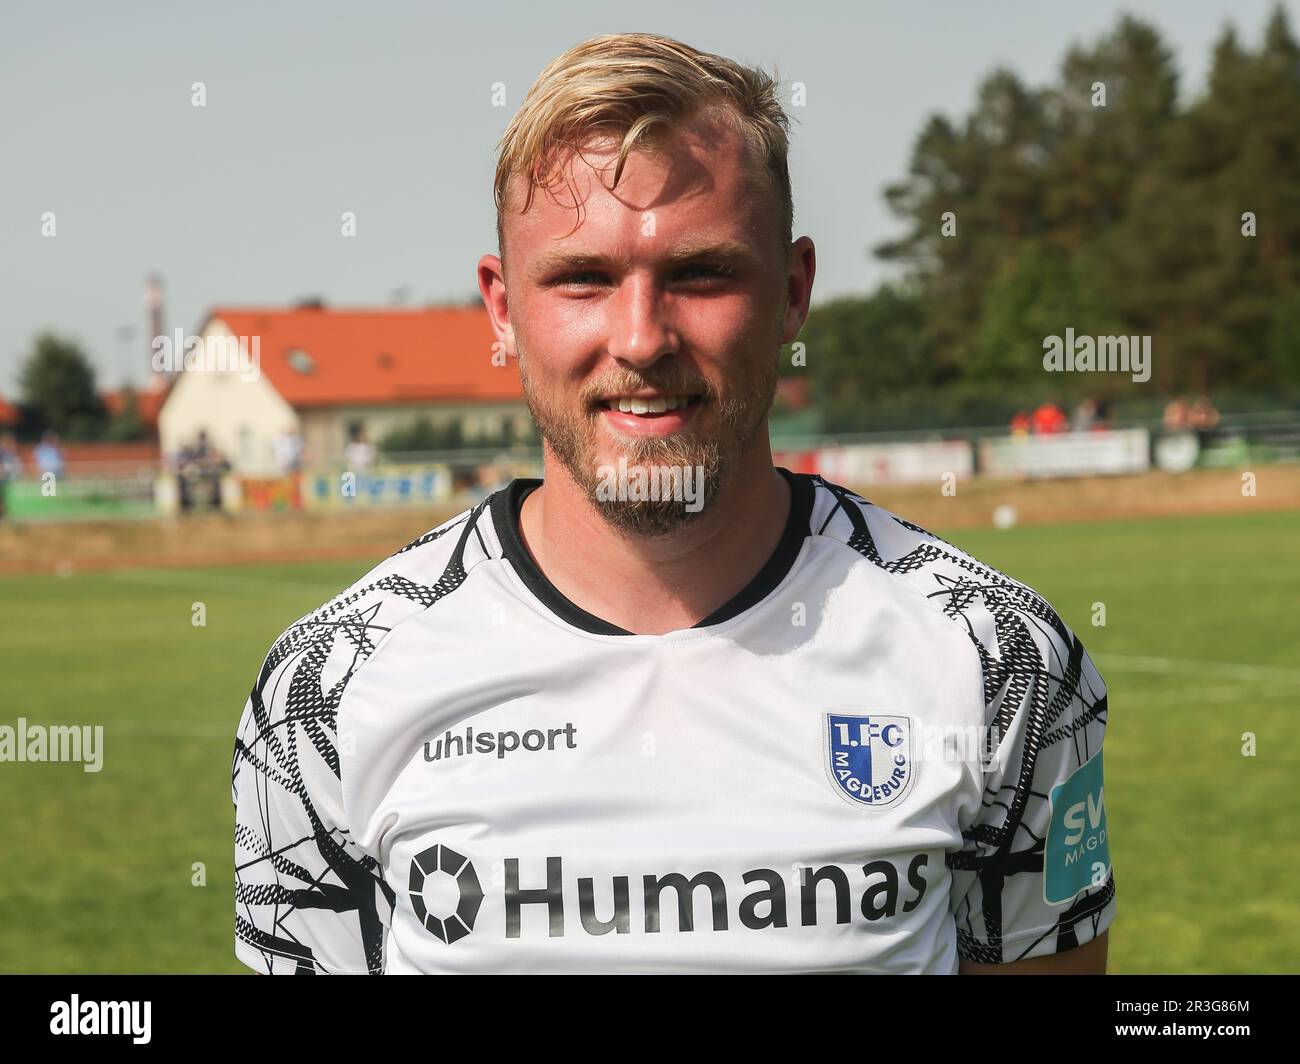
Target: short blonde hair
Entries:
(638, 87)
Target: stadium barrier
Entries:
(145, 486)
(1069, 454)
(883, 463)
(386, 485)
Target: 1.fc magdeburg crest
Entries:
(869, 757)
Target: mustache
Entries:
(674, 382)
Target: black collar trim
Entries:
(508, 502)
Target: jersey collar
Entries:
(507, 503)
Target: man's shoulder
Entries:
(412, 579)
(954, 581)
(1016, 634)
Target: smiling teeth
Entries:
(648, 406)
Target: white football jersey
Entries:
(880, 756)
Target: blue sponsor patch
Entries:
(1077, 855)
(869, 757)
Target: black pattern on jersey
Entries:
(316, 868)
(997, 848)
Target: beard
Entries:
(570, 430)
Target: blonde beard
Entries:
(572, 440)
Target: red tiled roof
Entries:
(389, 355)
(147, 403)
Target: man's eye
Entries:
(707, 271)
(584, 278)
(581, 278)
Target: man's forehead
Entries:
(697, 168)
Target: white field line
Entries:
(179, 729)
(1177, 695)
(1224, 670)
(200, 579)
(172, 729)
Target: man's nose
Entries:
(640, 331)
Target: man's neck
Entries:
(653, 586)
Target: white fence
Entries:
(1070, 454)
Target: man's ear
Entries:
(801, 267)
(492, 286)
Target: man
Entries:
(288, 452)
(359, 454)
(579, 729)
(47, 456)
(11, 468)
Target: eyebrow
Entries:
(552, 263)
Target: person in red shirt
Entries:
(1050, 418)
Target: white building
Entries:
(259, 374)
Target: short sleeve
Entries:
(1033, 876)
(307, 900)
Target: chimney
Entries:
(153, 301)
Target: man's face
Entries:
(671, 290)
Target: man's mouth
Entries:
(653, 415)
(650, 406)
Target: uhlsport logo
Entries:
(869, 757)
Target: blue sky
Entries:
(385, 109)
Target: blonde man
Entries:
(669, 708)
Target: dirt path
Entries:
(197, 541)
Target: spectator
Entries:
(1084, 416)
(48, 455)
(11, 463)
(360, 453)
(1103, 417)
(1021, 424)
(11, 467)
(1203, 419)
(288, 451)
(488, 478)
(202, 447)
(1050, 419)
(1202, 415)
(201, 466)
(1176, 414)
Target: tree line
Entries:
(1097, 203)
(58, 391)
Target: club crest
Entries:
(869, 757)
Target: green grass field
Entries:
(1200, 645)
